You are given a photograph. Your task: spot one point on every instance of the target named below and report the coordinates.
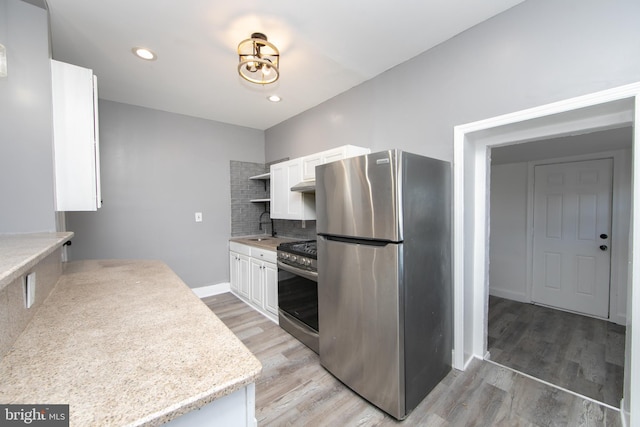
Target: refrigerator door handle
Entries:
(356, 241)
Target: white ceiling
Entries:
(326, 48)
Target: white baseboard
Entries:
(507, 294)
(207, 291)
(624, 416)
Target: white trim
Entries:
(623, 416)
(612, 108)
(633, 340)
(458, 252)
(210, 290)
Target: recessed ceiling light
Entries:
(274, 98)
(144, 53)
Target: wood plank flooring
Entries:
(294, 390)
(579, 353)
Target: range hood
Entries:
(305, 187)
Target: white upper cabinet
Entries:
(287, 204)
(75, 138)
(310, 162)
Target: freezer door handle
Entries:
(358, 241)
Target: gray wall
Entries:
(26, 152)
(535, 53)
(158, 169)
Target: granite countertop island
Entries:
(124, 342)
(20, 252)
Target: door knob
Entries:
(603, 236)
(603, 247)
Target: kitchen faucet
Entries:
(273, 231)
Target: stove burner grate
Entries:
(304, 248)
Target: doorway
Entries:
(578, 353)
(603, 110)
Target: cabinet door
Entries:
(309, 164)
(343, 152)
(234, 266)
(294, 176)
(75, 138)
(271, 287)
(333, 155)
(287, 204)
(257, 282)
(279, 190)
(244, 275)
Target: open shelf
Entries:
(264, 176)
(260, 200)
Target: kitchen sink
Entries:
(260, 239)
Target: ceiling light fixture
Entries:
(259, 60)
(274, 98)
(144, 53)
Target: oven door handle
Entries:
(311, 275)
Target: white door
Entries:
(571, 236)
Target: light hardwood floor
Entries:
(294, 390)
(580, 353)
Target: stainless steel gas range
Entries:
(298, 291)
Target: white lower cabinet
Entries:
(257, 279)
(254, 278)
(239, 269)
(271, 288)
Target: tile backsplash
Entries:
(245, 215)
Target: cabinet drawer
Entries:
(240, 248)
(263, 255)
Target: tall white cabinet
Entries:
(75, 138)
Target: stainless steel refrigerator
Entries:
(384, 275)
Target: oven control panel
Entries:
(297, 261)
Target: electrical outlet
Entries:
(198, 216)
(30, 289)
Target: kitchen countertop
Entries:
(21, 252)
(124, 342)
(265, 242)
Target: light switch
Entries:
(198, 216)
(30, 289)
